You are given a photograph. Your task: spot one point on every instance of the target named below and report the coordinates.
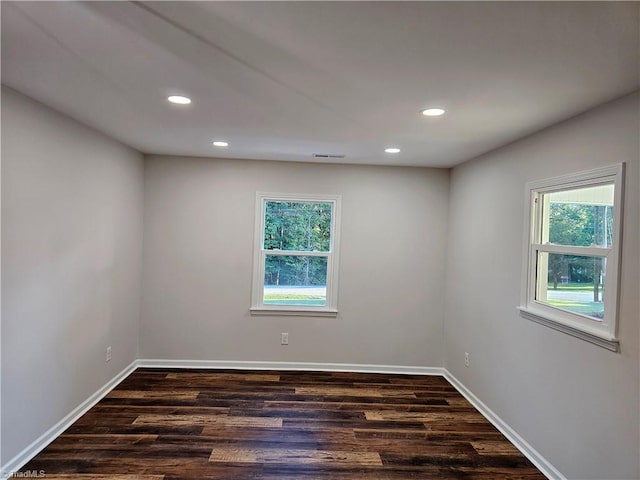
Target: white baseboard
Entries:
(521, 444)
(309, 366)
(20, 460)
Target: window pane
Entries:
(579, 217)
(295, 280)
(572, 282)
(302, 226)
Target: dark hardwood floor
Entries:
(272, 425)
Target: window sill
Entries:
(542, 319)
(292, 312)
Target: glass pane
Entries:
(572, 282)
(302, 226)
(579, 217)
(295, 280)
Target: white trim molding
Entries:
(308, 366)
(613, 345)
(292, 313)
(260, 254)
(537, 247)
(16, 463)
(520, 443)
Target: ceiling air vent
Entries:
(327, 155)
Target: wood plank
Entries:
(459, 402)
(354, 392)
(122, 408)
(272, 436)
(349, 404)
(487, 447)
(205, 376)
(425, 417)
(80, 442)
(165, 395)
(221, 420)
(292, 457)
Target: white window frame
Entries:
(330, 309)
(605, 332)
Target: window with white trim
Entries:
(296, 245)
(572, 248)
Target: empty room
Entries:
(320, 240)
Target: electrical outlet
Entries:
(284, 339)
(466, 359)
(108, 353)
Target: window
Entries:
(296, 254)
(572, 246)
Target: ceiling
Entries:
(284, 80)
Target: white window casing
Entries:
(604, 331)
(258, 306)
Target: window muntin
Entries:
(296, 254)
(572, 246)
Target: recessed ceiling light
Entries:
(179, 99)
(432, 112)
(220, 143)
(392, 150)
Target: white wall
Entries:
(199, 222)
(71, 260)
(576, 403)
